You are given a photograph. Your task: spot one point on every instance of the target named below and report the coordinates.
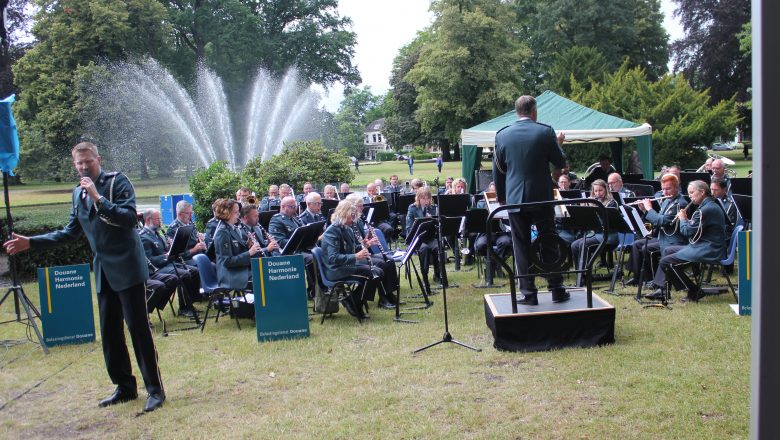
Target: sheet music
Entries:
(635, 221)
(462, 225)
(370, 215)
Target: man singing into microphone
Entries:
(104, 210)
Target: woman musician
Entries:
(665, 228)
(345, 258)
(369, 238)
(705, 229)
(428, 251)
(598, 191)
(233, 248)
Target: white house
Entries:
(374, 140)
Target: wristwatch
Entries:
(99, 201)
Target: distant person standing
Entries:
(103, 209)
(357, 165)
(745, 150)
(521, 161)
(410, 162)
(439, 163)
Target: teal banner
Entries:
(281, 309)
(66, 305)
(744, 245)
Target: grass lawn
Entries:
(680, 373)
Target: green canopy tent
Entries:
(580, 124)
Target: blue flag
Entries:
(9, 138)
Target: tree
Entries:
(14, 36)
(468, 71)
(209, 184)
(681, 116)
(71, 35)
(359, 108)
(709, 55)
(235, 37)
(581, 64)
(401, 128)
(618, 29)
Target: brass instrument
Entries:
(252, 200)
(378, 198)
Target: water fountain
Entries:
(142, 102)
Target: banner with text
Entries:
(66, 304)
(281, 309)
(744, 245)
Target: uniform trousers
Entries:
(128, 305)
(521, 223)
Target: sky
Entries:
(384, 26)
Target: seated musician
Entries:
(719, 172)
(428, 252)
(195, 244)
(233, 247)
(394, 186)
(307, 188)
(272, 200)
(564, 184)
(211, 227)
(313, 211)
(368, 237)
(447, 186)
(615, 182)
(566, 171)
(156, 248)
(581, 247)
(344, 188)
(415, 184)
(281, 228)
(252, 229)
(384, 225)
(502, 240)
(602, 171)
(379, 185)
(329, 193)
(458, 186)
(285, 190)
(664, 228)
(719, 190)
(243, 194)
(344, 258)
(705, 230)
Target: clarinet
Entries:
(381, 248)
(370, 263)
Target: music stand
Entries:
(176, 256)
(744, 207)
(264, 218)
(585, 218)
(476, 221)
(404, 200)
(453, 206)
(741, 185)
(381, 212)
(296, 240)
(621, 221)
(447, 337)
(405, 262)
(686, 178)
(313, 233)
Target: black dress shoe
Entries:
(658, 294)
(560, 295)
(529, 300)
(119, 396)
(154, 401)
(386, 304)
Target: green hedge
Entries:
(34, 220)
(384, 156)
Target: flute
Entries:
(638, 202)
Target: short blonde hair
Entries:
(85, 146)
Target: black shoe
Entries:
(119, 396)
(187, 313)
(560, 295)
(529, 300)
(349, 306)
(657, 294)
(154, 401)
(632, 282)
(386, 304)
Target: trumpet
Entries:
(252, 200)
(378, 198)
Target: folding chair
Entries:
(729, 260)
(210, 286)
(340, 289)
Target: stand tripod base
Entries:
(446, 338)
(29, 309)
(487, 285)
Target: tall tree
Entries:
(709, 53)
(235, 37)
(358, 109)
(14, 39)
(581, 64)
(618, 29)
(72, 35)
(469, 70)
(401, 128)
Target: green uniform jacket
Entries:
(110, 229)
(339, 246)
(282, 227)
(232, 257)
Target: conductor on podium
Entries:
(524, 150)
(103, 209)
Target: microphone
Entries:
(84, 173)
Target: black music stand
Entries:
(476, 222)
(622, 222)
(404, 200)
(313, 233)
(176, 256)
(686, 178)
(447, 337)
(381, 212)
(744, 207)
(264, 218)
(741, 185)
(405, 262)
(585, 218)
(453, 206)
(296, 240)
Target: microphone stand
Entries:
(16, 288)
(447, 337)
